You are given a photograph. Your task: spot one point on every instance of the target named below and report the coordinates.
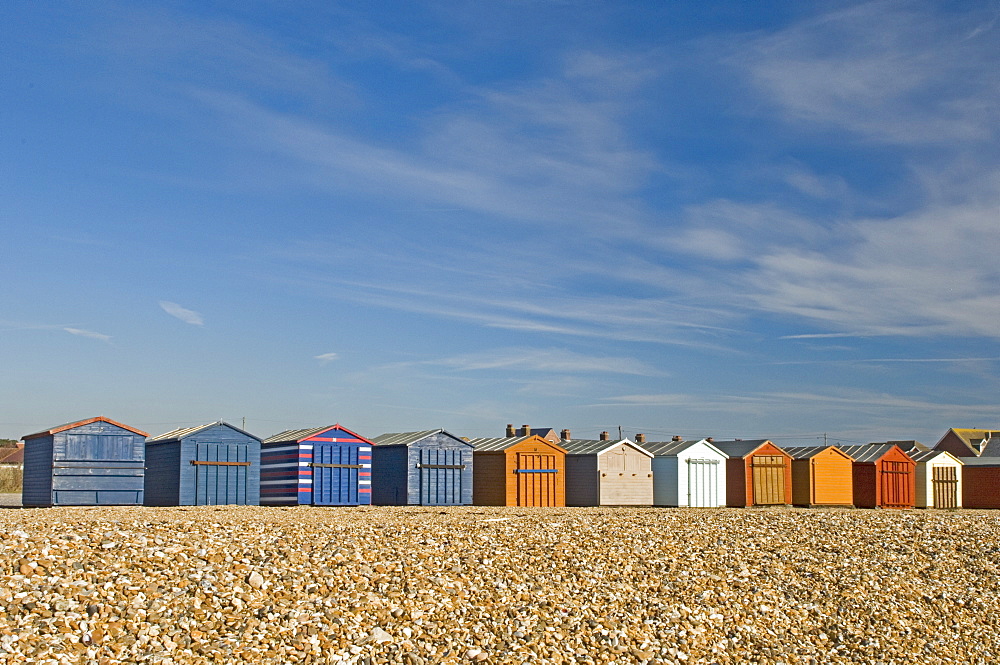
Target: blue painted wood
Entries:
(186, 484)
(399, 476)
(335, 486)
(93, 463)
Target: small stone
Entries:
(255, 579)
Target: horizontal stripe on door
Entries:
(200, 462)
(440, 466)
(536, 470)
(340, 466)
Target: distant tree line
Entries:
(8, 443)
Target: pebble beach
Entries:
(423, 585)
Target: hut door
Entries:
(335, 470)
(703, 483)
(896, 484)
(945, 481)
(220, 474)
(536, 479)
(442, 471)
(768, 480)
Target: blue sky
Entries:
(774, 219)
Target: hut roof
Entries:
(928, 455)
(79, 423)
(808, 452)
(407, 438)
(672, 448)
(870, 452)
(598, 446)
(740, 448)
(495, 444)
(183, 432)
(296, 435)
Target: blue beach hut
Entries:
(428, 468)
(321, 466)
(92, 462)
(202, 466)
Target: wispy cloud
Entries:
(544, 361)
(178, 312)
(325, 358)
(88, 334)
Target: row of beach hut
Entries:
(99, 461)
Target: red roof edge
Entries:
(63, 428)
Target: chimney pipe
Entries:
(510, 430)
(604, 436)
(640, 438)
(710, 439)
(676, 437)
(525, 430)
(564, 435)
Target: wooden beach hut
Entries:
(687, 473)
(318, 466)
(884, 476)
(518, 471)
(213, 464)
(758, 473)
(938, 479)
(91, 462)
(821, 476)
(606, 472)
(428, 468)
(980, 482)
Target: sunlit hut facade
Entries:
(884, 476)
(606, 472)
(687, 473)
(91, 462)
(213, 464)
(319, 466)
(518, 471)
(426, 468)
(758, 473)
(821, 476)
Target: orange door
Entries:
(896, 477)
(768, 480)
(536, 479)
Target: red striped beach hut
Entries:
(319, 466)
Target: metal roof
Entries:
(868, 453)
(598, 446)
(182, 432)
(807, 452)
(407, 438)
(928, 455)
(980, 461)
(79, 423)
(492, 444)
(740, 448)
(296, 435)
(672, 448)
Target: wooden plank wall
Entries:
(626, 477)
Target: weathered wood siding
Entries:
(582, 481)
(489, 479)
(94, 463)
(980, 486)
(626, 477)
(389, 475)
